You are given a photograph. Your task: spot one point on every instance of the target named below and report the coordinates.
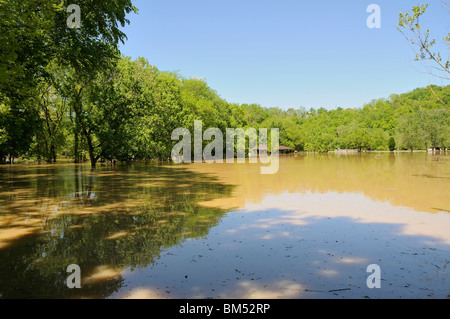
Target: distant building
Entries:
(282, 149)
(346, 151)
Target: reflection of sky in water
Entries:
(224, 231)
(292, 250)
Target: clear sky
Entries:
(285, 53)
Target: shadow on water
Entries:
(104, 220)
(271, 255)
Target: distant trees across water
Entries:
(129, 111)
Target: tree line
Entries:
(70, 92)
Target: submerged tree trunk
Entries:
(93, 160)
(92, 156)
(76, 132)
(48, 152)
(53, 152)
(76, 152)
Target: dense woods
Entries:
(70, 93)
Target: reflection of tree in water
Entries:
(117, 218)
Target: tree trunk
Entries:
(48, 155)
(91, 150)
(53, 152)
(76, 154)
(76, 135)
(93, 160)
(92, 156)
(77, 181)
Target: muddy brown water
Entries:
(226, 231)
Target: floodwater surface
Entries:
(226, 231)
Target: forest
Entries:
(70, 93)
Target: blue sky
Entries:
(285, 53)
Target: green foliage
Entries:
(391, 144)
(409, 25)
(33, 35)
(58, 98)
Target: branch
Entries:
(432, 57)
(440, 100)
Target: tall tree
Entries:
(34, 33)
(411, 131)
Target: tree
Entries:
(411, 131)
(410, 27)
(104, 103)
(150, 110)
(53, 109)
(4, 111)
(436, 125)
(99, 35)
(391, 144)
(35, 34)
(18, 124)
(25, 39)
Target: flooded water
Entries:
(226, 231)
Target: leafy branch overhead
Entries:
(419, 37)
